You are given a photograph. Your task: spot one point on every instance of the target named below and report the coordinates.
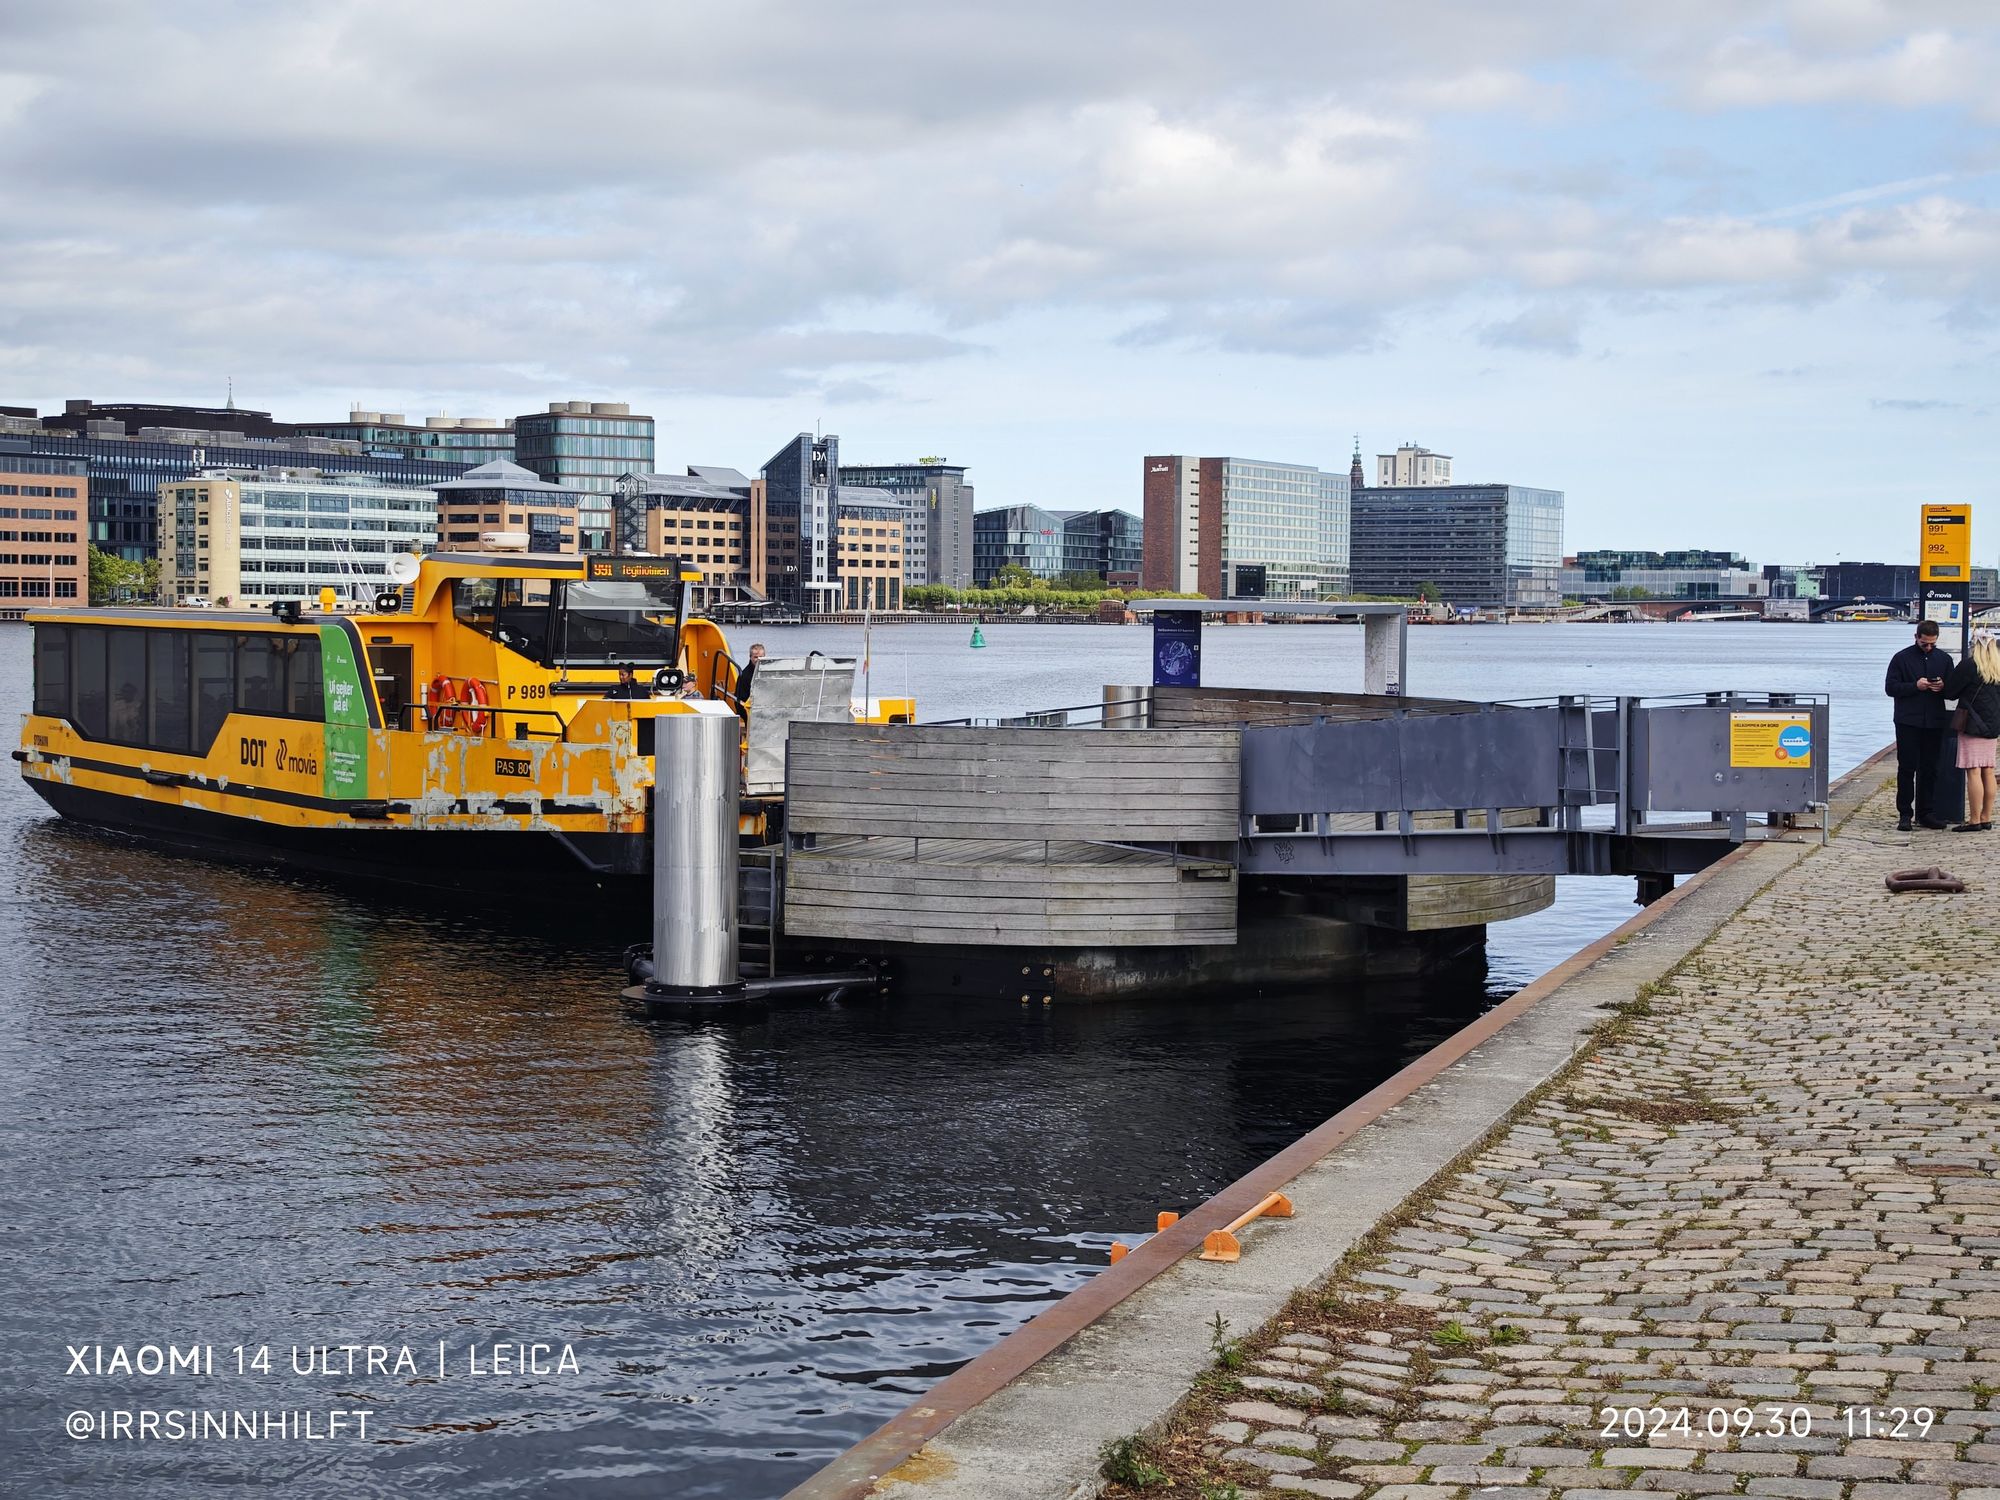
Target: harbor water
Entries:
(250, 1111)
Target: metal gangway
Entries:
(1359, 784)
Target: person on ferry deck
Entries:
(749, 673)
(629, 685)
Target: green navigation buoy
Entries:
(978, 640)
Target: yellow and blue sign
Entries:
(1770, 741)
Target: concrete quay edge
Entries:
(1027, 1419)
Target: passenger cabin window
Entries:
(260, 676)
(169, 716)
(90, 701)
(52, 671)
(172, 690)
(214, 685)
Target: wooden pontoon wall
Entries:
(1009, 836)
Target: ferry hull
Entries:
(540, 866)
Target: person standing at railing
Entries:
(1975, 683)
(1916, 681)
(745, 677)
(629, 685)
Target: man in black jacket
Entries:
(1916, 681)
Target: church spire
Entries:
(1355, 479)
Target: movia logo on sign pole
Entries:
(1944, 572)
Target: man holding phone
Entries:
(1916, 681)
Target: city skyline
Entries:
(1723, 276)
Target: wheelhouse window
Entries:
(605, 622)
(513, 611)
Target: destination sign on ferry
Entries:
(645, 569)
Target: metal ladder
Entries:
(760, 879)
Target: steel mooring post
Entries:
(695, 797)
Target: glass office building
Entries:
(1485, 546)
(801, 496)
(585, 446)
(461, 440)
(1105, 543)
(1212, 521)
(1686, 574)
(126, 472)
(1023, 536)
(245, 539)
(1289, 519)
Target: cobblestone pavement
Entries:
(1750, 1244)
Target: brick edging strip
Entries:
(853, 1475)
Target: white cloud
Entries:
(754, 201)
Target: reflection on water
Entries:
(248, 1109)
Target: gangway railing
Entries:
(1571, 785)
(1369, 785)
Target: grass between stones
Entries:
(1177, 1459)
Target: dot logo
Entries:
(1794, 742)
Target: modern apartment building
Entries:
(1485, 546)
(585, 446)
(938, 526)
(711, 518)
(1410, 465)
(44, 556)
(244, 537)
(127, 466)
(462, 440)
(495, 502)
(1207, 520)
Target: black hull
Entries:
(573, 869)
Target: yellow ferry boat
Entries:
(468, 732)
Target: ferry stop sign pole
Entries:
(1944, 586)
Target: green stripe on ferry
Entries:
(345, 767)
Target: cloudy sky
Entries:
(1724, 271)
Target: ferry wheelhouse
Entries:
(466, 731)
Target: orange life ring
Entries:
(443, 692)
(475, 719)
(451, 693)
